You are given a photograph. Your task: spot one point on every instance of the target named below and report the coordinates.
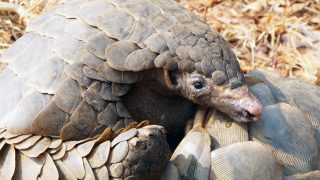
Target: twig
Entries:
(8, 7)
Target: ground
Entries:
(279, 35)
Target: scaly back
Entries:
(66, 75)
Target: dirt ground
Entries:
(279, 35)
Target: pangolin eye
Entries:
(198, 85)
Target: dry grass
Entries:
(15, 14)
(280, 35)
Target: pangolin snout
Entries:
(251, 109)
(240, 104)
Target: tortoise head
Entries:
(229, 96)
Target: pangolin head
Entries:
(212, 77)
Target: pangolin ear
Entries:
(171, 78)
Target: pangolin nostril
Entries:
(250, 115)
(247, 114)
(251, 109)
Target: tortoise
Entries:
(87, 65)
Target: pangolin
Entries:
(87, 65)
(284, 144)
(83, 66)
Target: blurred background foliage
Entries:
(278, 35)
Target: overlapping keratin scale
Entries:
(77, 53)
(49, 157)
(223, 131)
(284, 130)
(94, 45)
(299, 99)
(246, 160)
